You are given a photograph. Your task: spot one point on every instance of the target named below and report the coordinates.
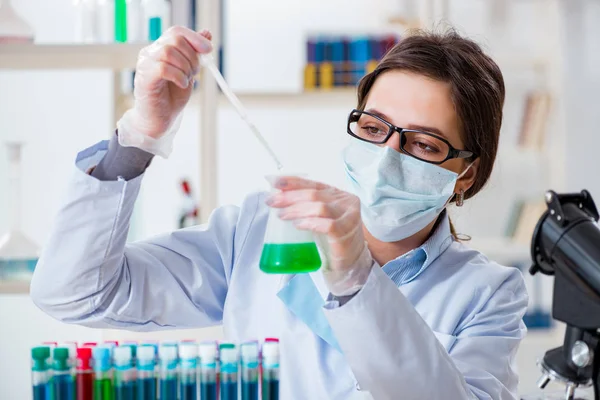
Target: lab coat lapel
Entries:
(305, 296)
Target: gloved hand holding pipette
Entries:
(163, 85)
(334, 216)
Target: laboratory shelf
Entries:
(335, 97)
(69, 56)
(7, 287)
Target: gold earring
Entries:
(460, 199)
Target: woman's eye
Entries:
(425, 147)
(372, 130)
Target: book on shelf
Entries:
(535, 118)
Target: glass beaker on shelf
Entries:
(18, 254)
(287, 249)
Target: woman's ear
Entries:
(465, 182)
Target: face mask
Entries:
(399, 194)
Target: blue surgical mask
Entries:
(399, 194)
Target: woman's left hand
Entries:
(334, 214)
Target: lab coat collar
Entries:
(412, 264)
(304, 299)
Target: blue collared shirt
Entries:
(409, 266)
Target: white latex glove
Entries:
(163, 85)
(335, 215)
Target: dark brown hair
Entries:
(477, 88)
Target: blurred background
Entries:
(294, 64)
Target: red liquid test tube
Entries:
(85, 374)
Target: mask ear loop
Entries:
(465, 171)
(461, 195)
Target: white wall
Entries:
(582, 83)
(59, 113)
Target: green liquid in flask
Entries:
(289, 258)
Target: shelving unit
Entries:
(115, 57)
(69, 56)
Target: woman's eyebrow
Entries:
(429, 129)
(379, 114)
(415, 127)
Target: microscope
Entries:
(566, 244)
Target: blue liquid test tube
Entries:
(72, 348)
(125, 376)
(62, 380)
(270, 365)
(167, 355)
(249, 355)
(188, 365)
(208, 370)
(146, 375)
(133, 346)
(228, 362)
(40, 373)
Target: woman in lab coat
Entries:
(402, 309)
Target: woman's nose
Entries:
(394, 141)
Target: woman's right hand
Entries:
(164, 79)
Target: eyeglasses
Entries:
(421, 145)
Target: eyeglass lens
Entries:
(418, 144)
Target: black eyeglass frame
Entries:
(452, 152)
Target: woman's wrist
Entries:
(348, 281)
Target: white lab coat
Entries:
(449, 332)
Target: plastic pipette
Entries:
(208, 62)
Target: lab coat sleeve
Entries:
(394, 354)
(88, 275)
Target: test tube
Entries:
(62, 380)
(85, 374)
(133, 346)
(103, 374)
(228, 357)
(168, 372)
(40, 372)
(188, 364)
(146, 377)
(125, 379)
(72, 349)
(249, 352)
(208, 370)
(270, 366)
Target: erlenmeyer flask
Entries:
(18, 254)
(288, 250)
